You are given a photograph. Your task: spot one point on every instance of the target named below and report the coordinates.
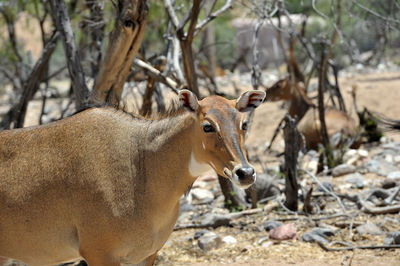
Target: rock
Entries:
(394, 175)
(229, 240)
(368, 228)
(284, 232)
(215, 220)
(209, 241)
(356, 180)
(343, 169)
(386, 184)
(269, 225)
(380, 167)
(352, 156)
(318, 234)
(309, 237)
(200, 233)
(263, 187)
(201, 196)
(186, 207)
(267, 244)
(326, 185)
(392, 238)
(262, 240)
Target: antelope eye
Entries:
(244, 126)
(208, 128)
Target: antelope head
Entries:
(220, 129)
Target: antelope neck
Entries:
(172, 144)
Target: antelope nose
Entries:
(245, 173)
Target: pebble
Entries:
(392, 238)
(269, 225)
(267, 244)
(200, 233)
(229, 240)
(284, 232)
(343, 169)
(380, 167)
(328, 186)
(201, 196)
(209, 241)
(318, 234)
(394, 175)
(368, 229)
(215, 220)
(356, 180)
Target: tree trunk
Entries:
(292, 146)
(124, 43)
(61, 18)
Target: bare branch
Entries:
(374, 13)
(156, 74)
(326, 190)
(75, 69)
(171, 13)
(208, 19)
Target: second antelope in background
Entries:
(302, 108)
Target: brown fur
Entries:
(306, 112)
(105, 186)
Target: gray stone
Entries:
(215, 220)
(323, 231)
(343, 169)
(201, 195)
(264, 187)
(328, 186)
(394, 175)
(380, 167)
(368, 229)
(310, 237)
(356, 180)
(269, 225)
(392, 238)
(200, 233)
(318, 234)
(209, 241)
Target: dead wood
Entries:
(146, 109)
(307, 207)
(124, 42)
(228, 217)
(292, 147)
(324, 247)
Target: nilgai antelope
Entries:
(301, 106)
(104, 186)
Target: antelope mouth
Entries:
(241, 178)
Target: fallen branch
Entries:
(320, 218)
(393, 196)
(357, 247)
(368, 208)
(229, 217)
(324, 188)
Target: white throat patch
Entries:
(196, 168)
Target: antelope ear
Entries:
(188, 100)
(250, 100)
